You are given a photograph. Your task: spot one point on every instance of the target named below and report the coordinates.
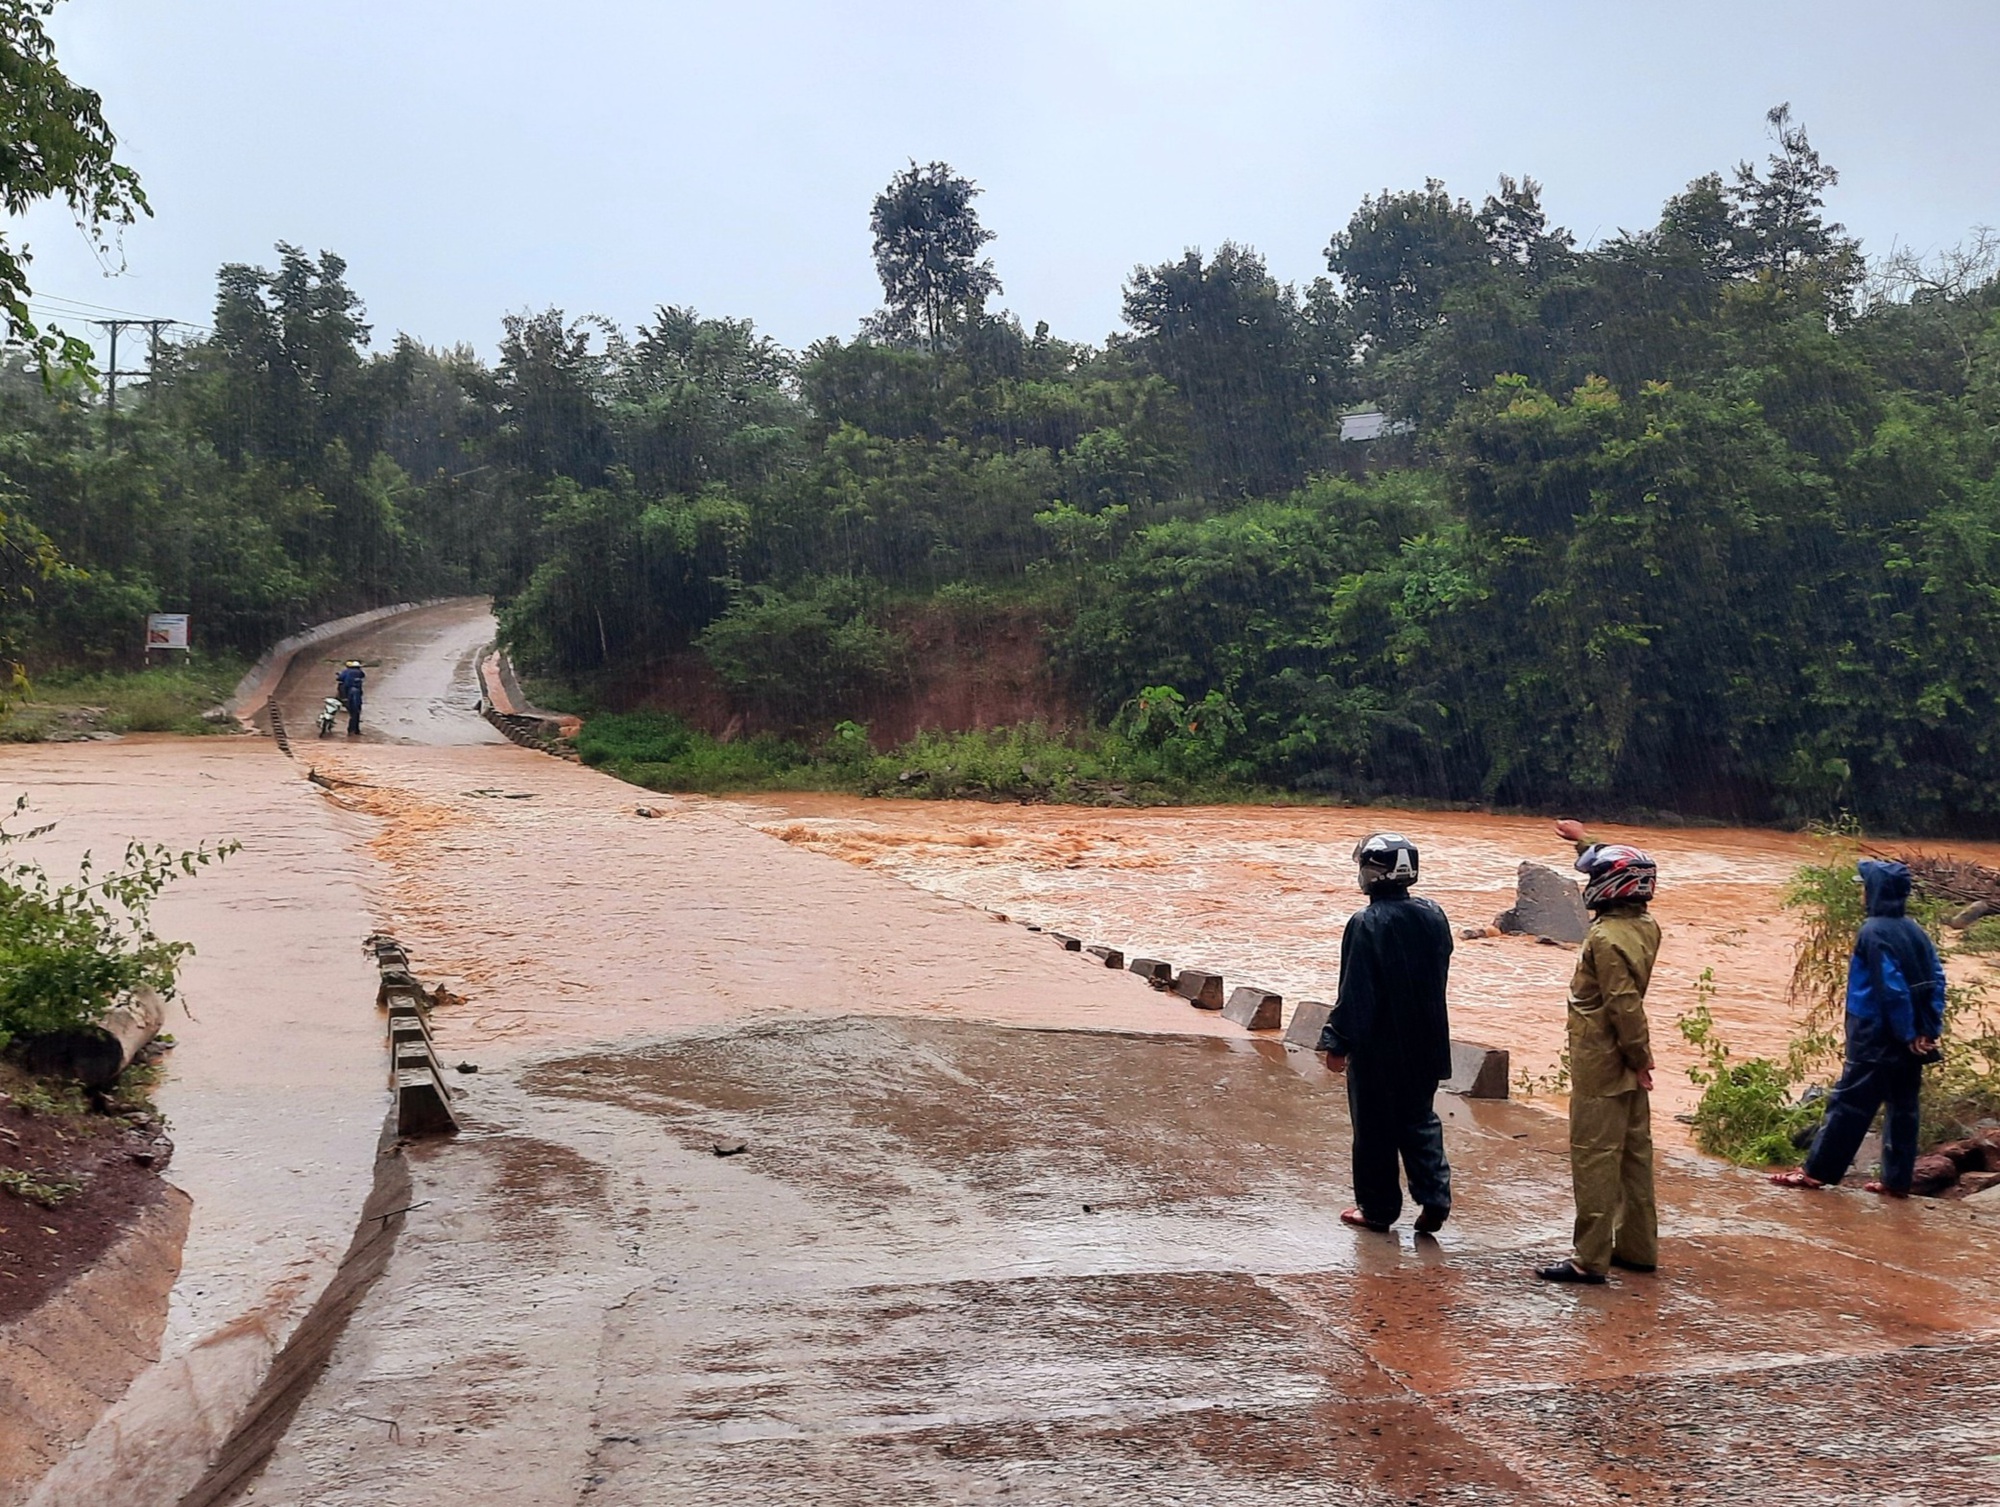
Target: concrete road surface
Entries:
(1005, 1226)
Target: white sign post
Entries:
(166, 630)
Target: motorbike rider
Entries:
(348, 688)
(1389, 1032)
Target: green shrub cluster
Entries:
(70, 950)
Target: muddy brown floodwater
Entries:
(1261, 893)
(999, 1225)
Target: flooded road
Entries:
(1261, 893)
(785, 1180)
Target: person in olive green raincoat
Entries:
(1611, 1067)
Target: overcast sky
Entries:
(472, 157)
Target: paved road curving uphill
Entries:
(422, 684)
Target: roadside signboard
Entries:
(166, 630)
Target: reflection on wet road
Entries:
(959, 1263)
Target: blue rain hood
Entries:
(1886, 884)
(1895, 983)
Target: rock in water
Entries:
(1545, 905)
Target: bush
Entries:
(70, 951)
(660, 752)
(807, 657)
(1747, 1112)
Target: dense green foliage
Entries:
(1158, 756)
(1705, 517)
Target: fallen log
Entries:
(94, 1055)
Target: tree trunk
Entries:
(96, 1054)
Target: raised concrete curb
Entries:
(72, 1356)
(1254, 1009)
(505, 705)
(423, 1102)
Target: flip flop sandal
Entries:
(1432, 1219)
(1569, 1271)
(1361, 1221)
(1795, 1179)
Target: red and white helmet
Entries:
(1614, 872)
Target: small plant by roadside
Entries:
(1747, 1111)
(70, 950)
(1554, 1081)
(37, 1188)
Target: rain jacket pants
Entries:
(1389, 1021)
(1610, 1115)
(348, 684)
(1895, 993)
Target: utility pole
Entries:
(152, 327)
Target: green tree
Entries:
(54, 144)
(927, 242)
(1231, 340)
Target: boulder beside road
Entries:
(1545, 905)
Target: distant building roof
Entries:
(1369, 425)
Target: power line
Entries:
(89, 314)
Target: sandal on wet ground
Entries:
(1432, 1219)
(1885, 1190)
(1569, 1271)
(1633, 1266)
(1361, 1221)
(1796, 1178)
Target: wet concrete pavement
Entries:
(275, 1093)
(1011, 1227)
(422, 684)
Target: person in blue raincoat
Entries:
(348, 688)
(1895, 1014)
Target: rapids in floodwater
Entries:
(1261, 893)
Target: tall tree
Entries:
(1231, 340)
(927, 241)
(54, 144)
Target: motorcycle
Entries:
(329, 713)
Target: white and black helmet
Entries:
(1386, 858)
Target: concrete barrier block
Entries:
(1160, 975)
(1200, 988)
(1110, 957)
(1309, 1017)
(397, 982)
(1254, 1009)
(1477, 1072)
(407, 1025)
(422, 1105)
(1068, 943)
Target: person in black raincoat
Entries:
(1895, 1015)
(1390, 1033)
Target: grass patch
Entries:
(167, 698)
(1030, 763)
